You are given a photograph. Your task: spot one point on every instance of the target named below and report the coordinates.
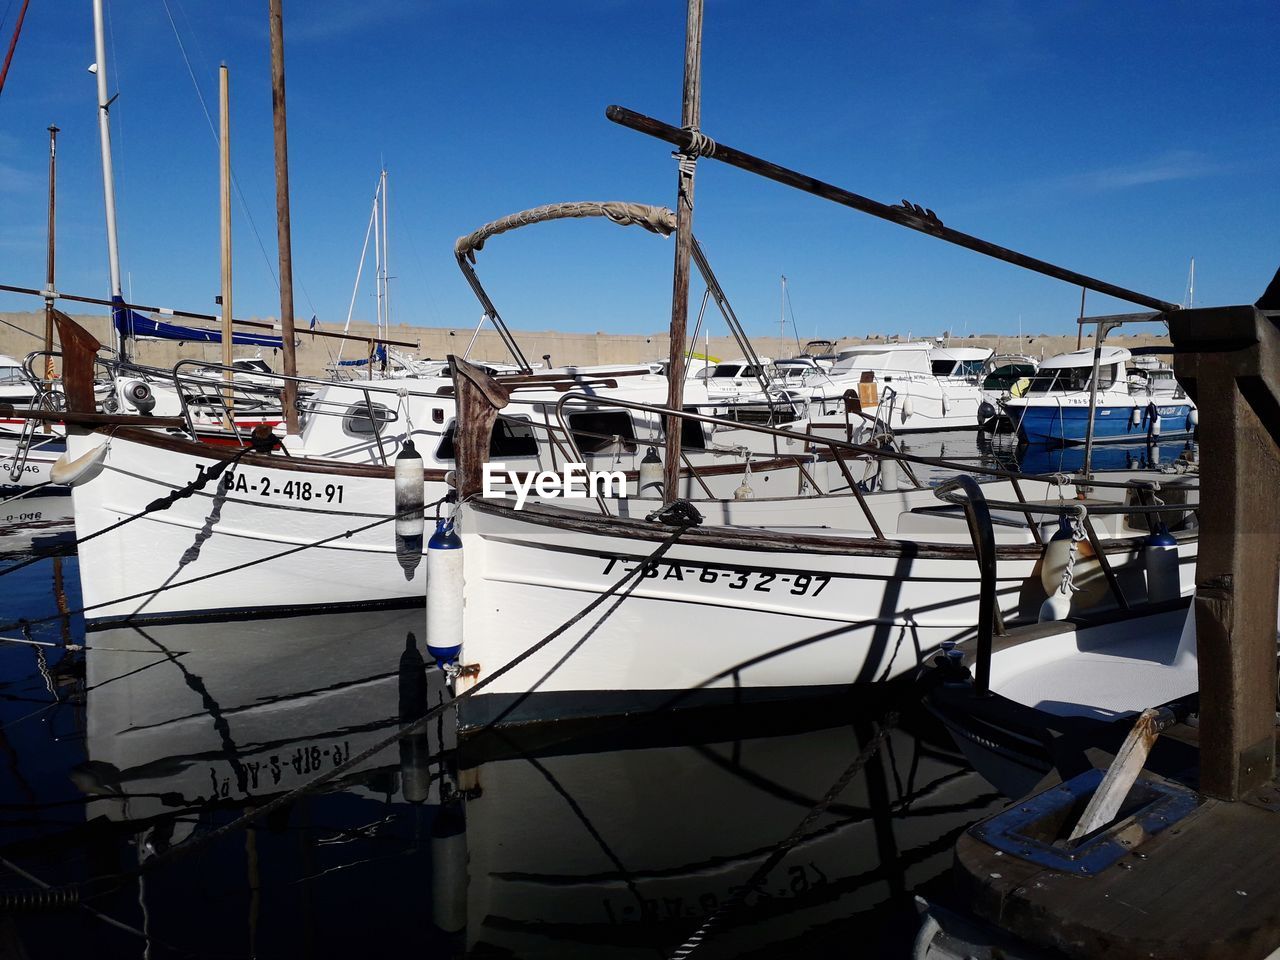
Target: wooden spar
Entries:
(187, 314)
(479, 398)
(1228, 359)
(13, 44)
(289, 394)
(912, 218)
(49, 260)
(690, 117)
(224, 209)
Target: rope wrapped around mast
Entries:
(658, 220)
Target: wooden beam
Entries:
(1229, 361)
(79, 350)
(913, 217)
(479, 398)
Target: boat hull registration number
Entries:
(757, 581)
(304, 491)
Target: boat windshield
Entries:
(1002, 378)
(958, 368)
(1070, 379)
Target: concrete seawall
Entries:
(315, 353)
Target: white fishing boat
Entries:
(771, 599)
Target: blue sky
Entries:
(1120, 140)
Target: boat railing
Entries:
(842, 451)
(967, 493)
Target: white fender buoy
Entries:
(1135, 418)
(449, 869)
(1160, 557)
(1056, 607)
(1193, 419)
(1086, 575)
(1155, 421)
(444, 593)
(650, 482)
(888, 473)
(409, 499)
(908, 408)
(82, 469)
(946, 404)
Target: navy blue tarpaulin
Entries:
(379, 354)
(132, 324)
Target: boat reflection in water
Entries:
(1006, 452)
(617, 838)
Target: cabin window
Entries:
(595, 430)
(943, 368)
(11, 375)
(357, 419)
(510, 438)
(1002, 378)
(725, 370)
(692, 435)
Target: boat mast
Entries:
(782, 314)
(377, 269)
(386, 260)
(108, 176)
(49, 259)
(289, 395)
(690, 117)
(224, 218)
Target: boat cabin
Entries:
(1071, 372)
(893, 358)
(959, 363)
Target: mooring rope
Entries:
(718, 916)
(351, 763)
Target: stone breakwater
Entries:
(315, 353)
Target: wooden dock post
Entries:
(1228, 358)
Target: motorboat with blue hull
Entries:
(1118, 422)
(1061, 401)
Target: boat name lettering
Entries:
(304, 490)
(21, 517)
(573, 482)
(756, 581)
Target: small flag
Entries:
(312, 325)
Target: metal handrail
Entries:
(836, 444)
(978, 514)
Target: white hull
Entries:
(738, 614)
(263, 525)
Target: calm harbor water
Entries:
(124, 762)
